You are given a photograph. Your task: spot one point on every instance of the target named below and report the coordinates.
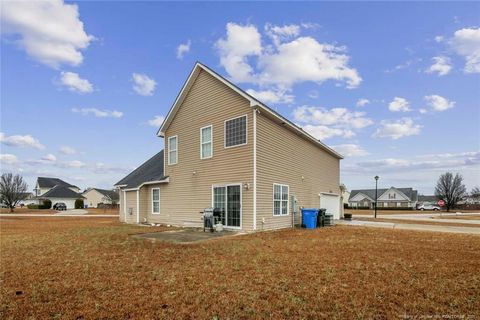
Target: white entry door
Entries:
(331, 202)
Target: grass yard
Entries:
(436, 222)
(461, 217)
(84, 268)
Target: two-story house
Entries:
(227, 150)
(56, 190)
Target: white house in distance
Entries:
(57, 190)
(96, 196)
(387, 198)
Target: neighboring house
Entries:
(29, 199)
(44, 184)
(96, 196)
(225, 149)
(56, 190)
(387, 198)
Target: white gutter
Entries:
(138, 206)
(255, 169)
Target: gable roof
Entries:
(111, 194)
(254, 103)
(408, 192)
(61, 192)
(46, 182)
(150, 170)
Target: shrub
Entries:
(79, 204)
(347, 216)
(33, 206)
(47, 204)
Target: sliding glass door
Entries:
(228, 199)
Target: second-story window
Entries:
(236, 132)
(172, 150)
(206, 150)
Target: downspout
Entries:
(138, 205)
(254, 168)
(125, 205)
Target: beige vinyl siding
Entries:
(209, 102)
(284, 157)
(131, 200)
(121, 202)
(93, 198)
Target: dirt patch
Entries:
(76, 268)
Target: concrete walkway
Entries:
(429, 217)
(409, 226)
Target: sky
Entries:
(394, 87)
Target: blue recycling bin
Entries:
(309, 218)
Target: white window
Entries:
(156, 200)
(280, 200)
(236, 132)
(206, 148)
(172, 150)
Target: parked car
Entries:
(429, 207)
(60, 206)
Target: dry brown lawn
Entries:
(434, 222)
(25, 210)
(462, 217)
(102, 211)
(90, 268)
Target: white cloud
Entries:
(439, 38)
(49, 158)
(98, 113)
(422, 110)
(397, 129)
(157, 121)
(324, 132)
(240, 43)
(399, 105)
(67, 150)
(143, 85)
(466, 43)
(326, 123)
(74, 83)
(350, 150)
(183, 49)
(272, 96)
(73, 164)
(362, 102)
(438, 103)
(334, 116)
(281, 33)
(21, 141)
(442, 66)
(289, 60)
(50, 31)
(8, 158)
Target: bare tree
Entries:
(12, 189)
(450, 189)
(475, 193)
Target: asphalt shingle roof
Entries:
(45, 182)
(61, 192)
(150, 170)
(108, 193)
(409, 192)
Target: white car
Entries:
(433, 207)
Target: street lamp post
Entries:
(376, 188)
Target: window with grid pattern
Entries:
(172, 150)
(280, 200)
(236, 132)
(206, 142)
(156, 200)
